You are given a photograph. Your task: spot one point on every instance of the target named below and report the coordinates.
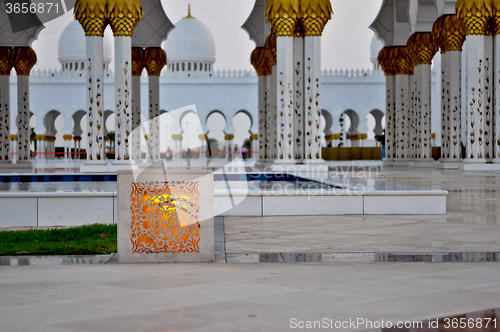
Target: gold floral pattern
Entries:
(165, 217)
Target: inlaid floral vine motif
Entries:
(487, 108)
(90, 112)
(389, 125)
(268, 122)
(262, 129)
(281, 118)
(401, 118)
(445, 106)
(126, 109)
(497, 119)
(299, 111)
(4, 130)
(165, 217)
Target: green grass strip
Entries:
(84, 240)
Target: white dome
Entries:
(375, 47)
(190, 41)
(72, 44)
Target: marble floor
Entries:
(237, 297)
(472, 223)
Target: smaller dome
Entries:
(191, 40)
(375, 47)
(72, 44)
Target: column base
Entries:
(402, 162)
(447, 163)
(475, 165)
(94, 166)
(423, 163)
(20, 165)
(387, 162)
(122, 165)
(314, 161)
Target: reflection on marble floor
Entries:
(471, 225)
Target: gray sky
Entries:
(345, 43)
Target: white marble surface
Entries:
(313, 205)
(404, 204)
(18, 212)
(73, 211)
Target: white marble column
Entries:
(284, 98)
(95, 100)
(476, 100)
(402, 128)
(412, 143)
(254, 147)
(390, 124)
(488, 97)
(271, 116)
(424, 146)
(123, 96)
(496, 104)
(136, 118)
(451, 63)
(312, 96)
(154, 117)
(23, 119)
(298, 99)
(262, 142)
(4, 119)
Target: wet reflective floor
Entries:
(472, 222)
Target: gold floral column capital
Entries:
(386, 61)
(476, 14)
(283, 16)
(124, 16)
(421, 48)
(6, 61)
(314, 16)
(92, 16)
(496, 18)
(155, 59)
(259, 61)
(24, 60)
(137, 61)
(270, 51)
(402, 63)
(449, 33)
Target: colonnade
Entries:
(22, 59)
(407, 69)
(289, 82)
(94, 17)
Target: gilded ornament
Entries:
(24, 60)
(449, 33)
(402, 63)
(386, 61)
(495, 22)
(314, 16)
(6, 61)
(421, 48)
(155, 59)
(92, 16)
(476, 14)
(270, 52)
(283, 16)
(137, 61)
(229, 137)
(254, 137)
(123, 16)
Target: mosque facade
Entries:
(189, 78)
